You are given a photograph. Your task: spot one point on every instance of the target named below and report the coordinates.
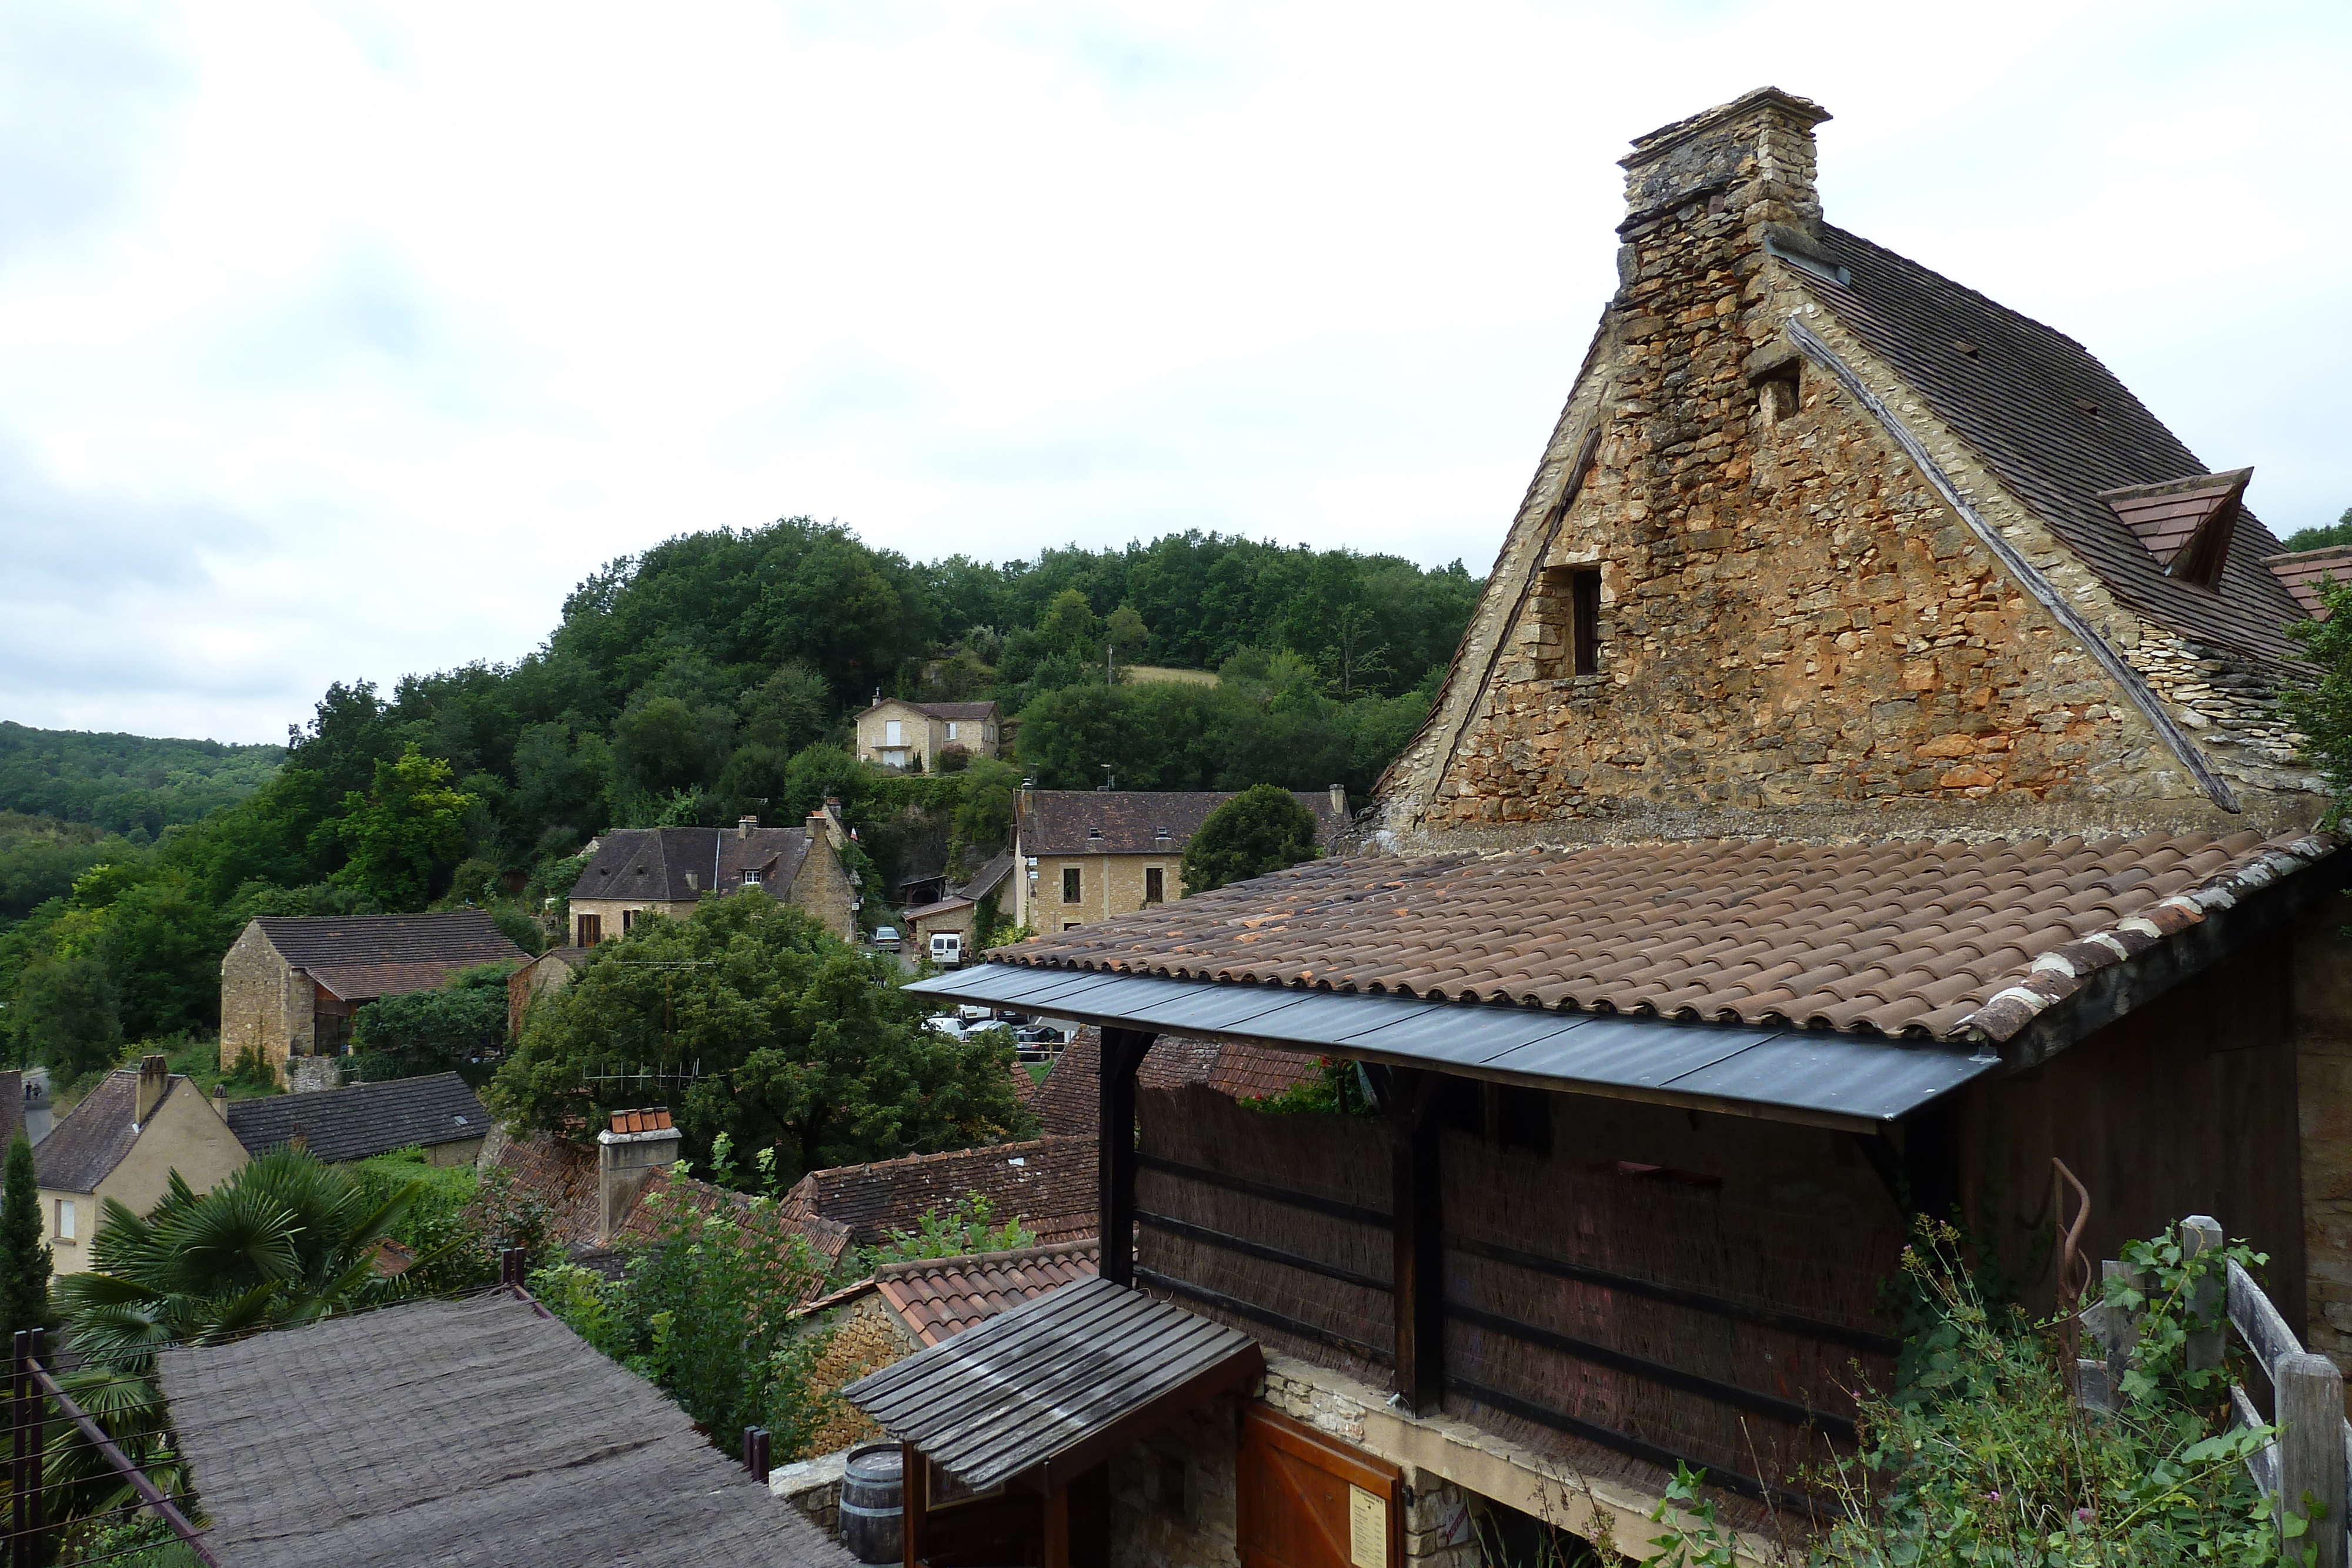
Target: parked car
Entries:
(886, 938)
(946, 949)
(947, 1024)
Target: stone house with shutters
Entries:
(1090, 854)
(668, 871)
(895, 733)
(1857, 794)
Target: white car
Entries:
(947, 1024)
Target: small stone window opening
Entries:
(1155, 885)
(1071, 893)
(1778, 396)
(1567, 620)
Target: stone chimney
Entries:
(1750, 160)
(745, 825)
(220, 1102)
(636, 1144)
(154, 1082)
(1340, 802)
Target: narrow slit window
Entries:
(1071, 893)
(1585, 619)
(1155, 885)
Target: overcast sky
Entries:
(340, 340)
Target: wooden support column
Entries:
(1058, 1528)
(1122, 1053)
(914, 1503)
(1409, 1095)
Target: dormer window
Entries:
(750, 877)
(2185, 524)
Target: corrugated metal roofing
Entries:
(1820, 1074)
(1053, 1380)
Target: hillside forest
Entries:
(713, 676)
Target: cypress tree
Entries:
(25, 1262)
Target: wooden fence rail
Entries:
(2305, 1470)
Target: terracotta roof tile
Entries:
(1137, 822)
(1905, 937)
(2301, 572)
(1068, 1101)
(938, 1298)
(1047, 1183)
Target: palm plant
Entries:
(287, 1241)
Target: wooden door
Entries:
(1309, 1500)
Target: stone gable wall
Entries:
(265, 1006)
(1798, 636)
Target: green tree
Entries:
(1261, 829)
(64, 1013)
(1124, 629)
(460, 1026)
(983, 817)
(2338, 533)
(806, 1044)
(2321, 704)
(25, 1261)
(1068, 624)
(405, 825)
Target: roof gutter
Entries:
(2215, 787)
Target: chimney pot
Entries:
(636, 1144)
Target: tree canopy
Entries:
(1263, 829)
(806, 1045)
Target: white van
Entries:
(947, 948)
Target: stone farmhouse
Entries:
(1857, 795)
(1089, 855)
(895, 733)
(289, 985)
(670, 870)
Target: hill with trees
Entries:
(713, 676)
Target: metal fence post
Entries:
(2311, 1454)
(2201, 1234)
(36, 1512)
(19, 1519)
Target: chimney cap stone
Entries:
(1667, 137)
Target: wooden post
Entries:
(1419, 1296)
(1122, 1053)
(2200, 1234)
(2311, 1454)
(914, 1503)
(1058, 1528)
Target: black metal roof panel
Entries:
(1054, 1379)
(1732, 1066)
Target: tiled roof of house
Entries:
(1049, 1184)
(940, 906)
(562, 1175)
(1898, 937)
(826, 1239)
(1130, 822)
(1069, 1101)
(2303, 571)
(937, 1298)
(96, 1135)
(990, 878)
(959, 710)
(363, 1120)
(460, 937)
(653, 863)
(2060, 430)
(475, 1430)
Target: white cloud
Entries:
(343, 338)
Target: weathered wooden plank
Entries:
(2201, 1234)
(2311, 1481)
(2262, 1465)
(2258, 1323)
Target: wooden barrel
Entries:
(872, 1519)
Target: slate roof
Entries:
(2060, 430)
(1129, 822)
(653, 863)
(1047, 1183)
(1894, 938)
(990, 878)
(1069, 1102)
(470, 1431)
(360, 956)
(958, 711)
(95, 1136)
(938, 1298)
(366, 1118)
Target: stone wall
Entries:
(2321, 1032)
(823, 888)
(1108, 885)
(1797, 636)
(1174, 1496)
(266, 1005)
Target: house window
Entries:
(628, 919)
(1070, 925)
(951, 729)
(1568, 622)
(1155, 885)
(750, 878)
(894, 732)
(68, 1220)
(590, 931)
(1071, 893)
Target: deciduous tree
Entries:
(1263, 829)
